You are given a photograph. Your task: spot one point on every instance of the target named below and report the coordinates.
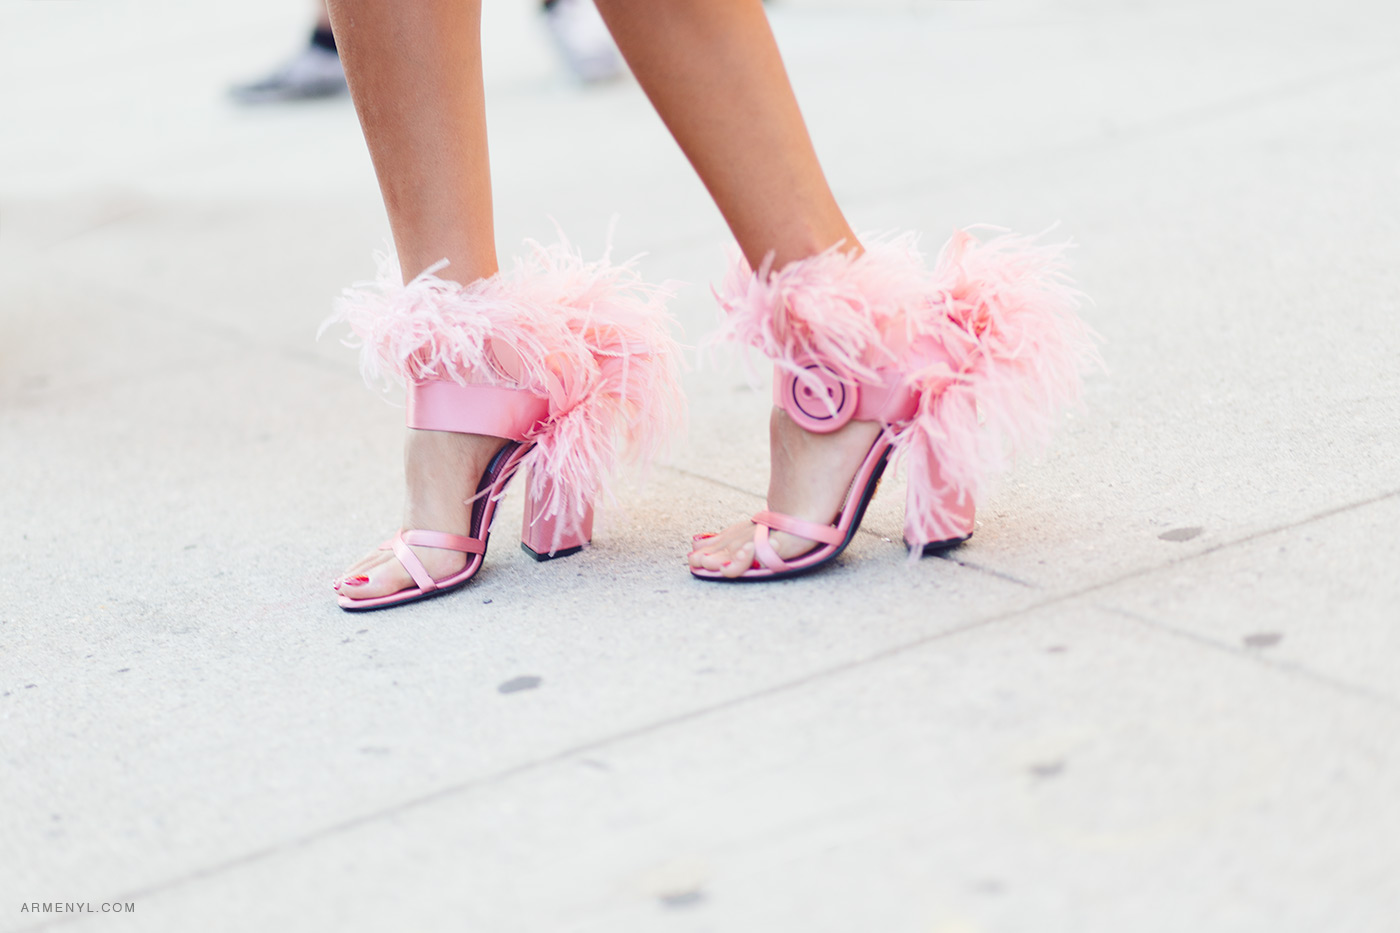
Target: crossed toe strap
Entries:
(768, 522)
(403, 542)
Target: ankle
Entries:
(442, 470)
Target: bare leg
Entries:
(713, 72)
(414, 70)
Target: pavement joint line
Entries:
(115, 218)
(714, 482)
(154, 309)
(989, 571)
(86, 390)
(238, 341)
(1244, 539)
(1290, 668)
(1244, 103)
(452, 790)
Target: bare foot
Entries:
(442, 470)
(808, 479)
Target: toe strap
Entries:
(763, 550)
(826, 534)
(400, 545)
(777, 521)
(441, 539)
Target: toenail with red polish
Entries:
(356, 581)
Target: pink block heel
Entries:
(561, 358)
(950, 524)
(961, 365)
(544, 536)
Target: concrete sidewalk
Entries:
(1158, 691)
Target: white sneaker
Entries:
(312, 72)
(583, 40)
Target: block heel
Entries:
(544, 536)
(950, 522)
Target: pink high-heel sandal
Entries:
(568, 361)
(515, 414)
(960, 365)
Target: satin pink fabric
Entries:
(443, 405)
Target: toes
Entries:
(363, 567)
(380, 578)
(348, 582)
(706, 546)
(368, 586)
(714, 560)
(739, 562)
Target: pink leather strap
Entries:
(400, 545)
(442, 539)
(777, 521)
(822, 400)
(443, 405)
(826, 534)
(763, 550)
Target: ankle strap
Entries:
(822, 399)
(443, 405)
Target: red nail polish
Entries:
(727, 563)
(357, 581)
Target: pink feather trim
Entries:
(591, 337)
(989, 339)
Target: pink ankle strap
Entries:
(821, 399)
(443, 405)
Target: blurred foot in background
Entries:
(583, 40)
(314, 72)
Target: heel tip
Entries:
(562, 552)
(937, 547)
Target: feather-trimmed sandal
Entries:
(571, 362)
(961, 365)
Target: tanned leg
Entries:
(414, 69)
(712, 70)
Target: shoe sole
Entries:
(866, 495)
(547, 556)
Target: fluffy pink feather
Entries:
(989, 338)
(592, 337)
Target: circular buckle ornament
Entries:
(818, 399)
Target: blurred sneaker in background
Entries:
(313, 72)
(577, 29)
(583, 40)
